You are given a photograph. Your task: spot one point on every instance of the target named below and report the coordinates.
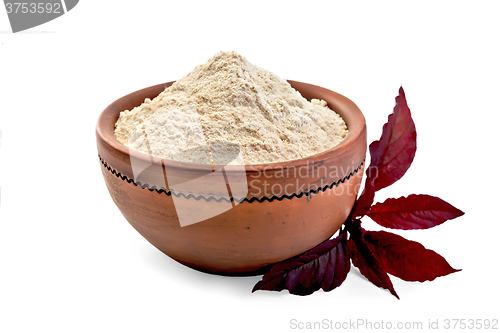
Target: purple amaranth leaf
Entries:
(413, 212)
(391, 156)
(363, 258)
(408, 260)
(324, 267)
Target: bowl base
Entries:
(260, 271)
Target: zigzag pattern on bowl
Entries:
(197, 198)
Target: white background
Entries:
(70, 262)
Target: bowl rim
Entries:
(355, 122)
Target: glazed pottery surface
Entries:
(233, 219)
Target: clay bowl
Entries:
(233, 219)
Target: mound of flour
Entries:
(228, 99)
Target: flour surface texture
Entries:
(229, 100)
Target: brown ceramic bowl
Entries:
(189, 211)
